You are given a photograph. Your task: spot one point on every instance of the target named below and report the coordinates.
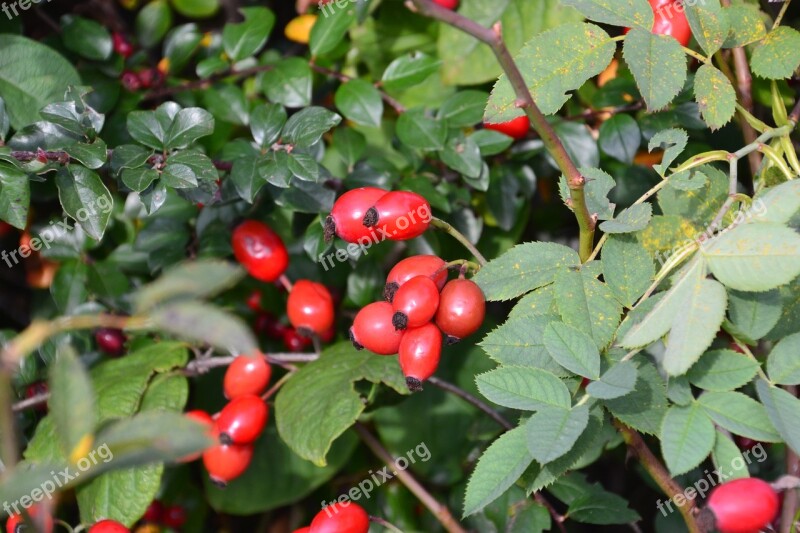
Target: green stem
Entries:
(699, 57)
(8, 435)
(457, 235)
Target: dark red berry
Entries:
(122, 46)
(150, 77)
(373, 329)
(254, 301)
(417, 265)
(108, 526)
(745, 444)
(745, 505)
(415, 303)
(130, 81)
(447, 4)
(345, 517)
(204, 418)
(347, 216)
(37, 389)
(260, 250)
(329, 335)
(462, 308)
(266, 324)
(110, 341)
(310, 307)
(399, 216)
(155, 510)
(174, 516)
(516, 128)
(242, 420)
(16, 522)
(295, 342)
(420, 352)
(226, 462)
(246, 375)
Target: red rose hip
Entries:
(347, 216)
(373, 329)
(447, 4)
(399, 216)
(174, 516)
(310, 307)
(415, 303)
(108, 526)
(462, 308)
(417, 265)
(16, 522)
(246, 375)
(744, 505)
(295, 342)
(516, 128)
(242, 420)
(110, 341)
(341, 518)
(260, 250)
(420, 351)
(226, 462)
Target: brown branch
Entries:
(659, 473)
(163, 92)
(64, 158)
(439, 510)
(493, 37)
(794, 116)
(344, 78)
(790, 500)
(464, 395)
(201, 366)
(591, 113)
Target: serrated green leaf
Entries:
(699, 206)
(645, 407)
(627, 268)
(572, 349)
(675, 140)
(709, 23)
(777, 204)
(658, 64)
(553, 431)
(715, 96)
(728, 458)
(615, 382)
(687, 437)
(783, 409)
(626, 13)
(197, 279)
(587, 304)
(778, 56)
(783, 364)
(739, 414)
(519, 342)
(754, 314)
(620, 138)
(598, 184)
(523, 388)
(747, 25)
(722, 370)
(635, 218)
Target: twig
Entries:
(591, 113)
(277, 386)
(457, 235)
(286, 282)
(464, 395)
(64, 158)
(33, 401)
(493, 37)
(782, 12)
(344, 78)
(790, 499)
(163, 92)
(439, 510)
(197, 367)
(659, 473)
(557, 518)
(794, 116)
(385, 523)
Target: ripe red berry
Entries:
(744, 443)
(108, 526)
(226, 462)
(346, 517)
(254, 301)
(36, 389)
(155, 510)
(242, 420)
(201, 416)
(420, 351)
(447, 4)
(150, 77)
(462, 308)
(267, 324)
(122, 46)
(260, 250)
(204, 418)
(516, 128)
(16, 522)
(415, 303)
(373, 329)
(130, 81)
(743, 505)
(347, 216)
(110, 341)
(417, 265)
(310, 307)
(174, 516)
(670, 19)
(295, 342)
(246, 375)
(399, 216)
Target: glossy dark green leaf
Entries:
(85, 198)
(307, 126)
(360, 101)
(246, 38)
(86, 37)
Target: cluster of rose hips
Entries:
(420, 304)
(347, 517)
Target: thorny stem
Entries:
(464, 395)
(493, 37)
(440, 511)
(789, 507)
(453, 232)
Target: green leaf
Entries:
(464, 108)
(715, 96)
(635, 218)
(153, 22)
(307, 126)
(409, 70)
(778, 56)
(587, 305)
(145, 127)
(645, 407)
(553, 63)
(350, 144)
(726, 456)
(72, 403)
(86, 37)
(129, 156)
(777, 204)
(709, 23)
(310, 428)
(572, 349)
(783, 365)
(204, 323)
(783, 409)
(658, 64)
(196, 8)
(289, 83)
(615, 382)
(138, 179)
(699, 206)
(85, 198)
(197, 279)
(498, 468)
(524, 268)
(178, 176)
(754, 314)
(627, 13)
(32, 75)
(722, 370)
(329, 30)
(687, 437)
(754, 257)
(620, 137)
(740, 414)
(304, 167)
(464, 156)
(188, 126)
(675, 140)
(627, 268)
(553, 431)
(246, 178)
(247, 38)
(92, 155)
(747, 25)
(417, 130)
(598, 184)
(266, 123)
(69, 286)
(519, 342)
(361, 102)
(15, 196)
(523, 388)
